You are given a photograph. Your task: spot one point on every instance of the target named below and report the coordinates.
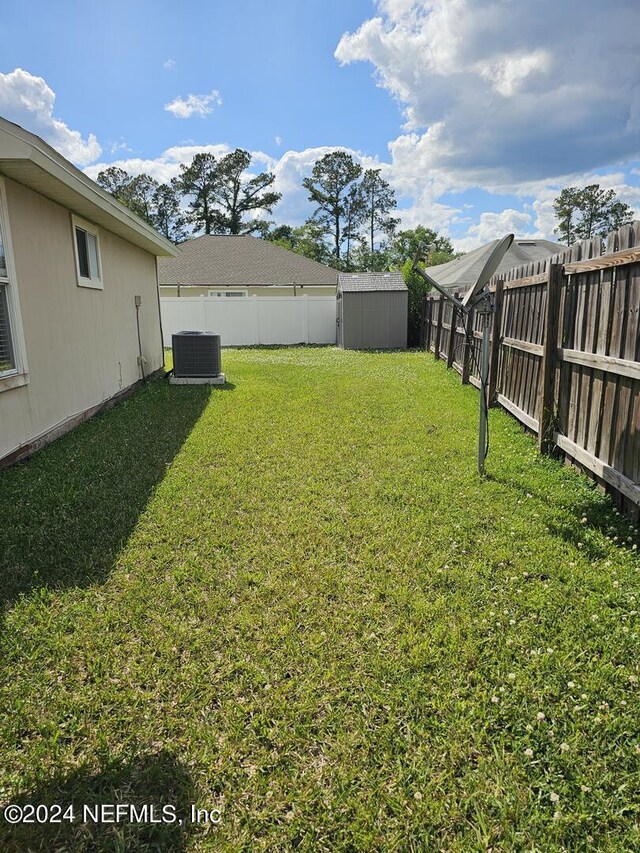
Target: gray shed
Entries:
(372, 310)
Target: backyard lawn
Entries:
(293, 600)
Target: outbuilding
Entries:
(372, 310)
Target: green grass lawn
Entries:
(293, 599)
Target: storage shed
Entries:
(372, 310)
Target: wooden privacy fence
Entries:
(565, 354)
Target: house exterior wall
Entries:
(81, 344)
(190, 290)
(374, 320)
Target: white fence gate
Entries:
(252, 319)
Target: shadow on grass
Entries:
(67, 512)
(157, 780)
(573, 520)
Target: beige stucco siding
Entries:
(81, 344)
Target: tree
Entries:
(418, 288)
(221, 195)
(589, 212)
(406, 243)
(115, 181)
(169, 218)
(403, 249)
(237, 197)
(307, 240)
(354, 213)
(136, 192)
(566, 208)
(141, 190)
(378, 199)
(331, 179)
(281, 234)
(157, 204)
(199, 180)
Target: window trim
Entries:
(19, 375)
(240, 291)
(81, 280)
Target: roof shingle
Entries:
(231, 260)
(358, 282)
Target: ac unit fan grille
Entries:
(196, 355)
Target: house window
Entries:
(7, 356)
(12, 360)
(228, 293)
(87, 248)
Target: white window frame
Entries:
(227, 291)
(95, 283)
(19, 375)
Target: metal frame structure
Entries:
(477, 298)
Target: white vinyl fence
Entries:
(252, 319)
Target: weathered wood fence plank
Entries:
(565, 354)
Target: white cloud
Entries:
(194, 105)
(507, 74)
(498, 93)
(28, 101)
(169, 64)
(120, 145)
(278, 140)
(494, 225)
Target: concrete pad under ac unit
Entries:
(197, 380)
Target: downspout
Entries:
(138, 301)
(160, 314)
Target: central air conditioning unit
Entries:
(197, 359)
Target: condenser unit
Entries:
(197, 359)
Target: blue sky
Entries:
(477, 111)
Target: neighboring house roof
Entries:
(28, 160)
(369, 281)
(538, 250)
(230, 260)
(461, 274)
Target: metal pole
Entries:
(484, 378)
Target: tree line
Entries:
(351, 228)
(218, 196)
(352, 225)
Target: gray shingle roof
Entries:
(357, 282)
(240, 260)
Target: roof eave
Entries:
(28, 160)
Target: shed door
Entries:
(339, 334)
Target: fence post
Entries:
(436, 350)
(256, 317)
(305, 318)
(452, 334)
(427, 344)
(426, 340)
(546, 396)
(496, 333)
(466, 349)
